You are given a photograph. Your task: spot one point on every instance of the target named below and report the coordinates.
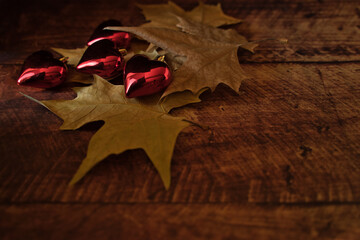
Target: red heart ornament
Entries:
(103, 59)
(143, 76)
(120, 39)
(42, 70)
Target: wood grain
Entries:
(279, 160)
(292, 135)
(324, 31)
(178, 221)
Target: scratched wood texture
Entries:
(280, 160)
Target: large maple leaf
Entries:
(129, 124)
(164, 15)
(211, 54)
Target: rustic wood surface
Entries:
(281, 160)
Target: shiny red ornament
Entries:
(143, 76)
(103, 59)
(120, 39)
(42, 70)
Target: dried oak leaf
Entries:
(164, 15)
(129, 124)
(211, 54)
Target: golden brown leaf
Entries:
(77, 77)
(215, 34)
(164, 15)
(175, 61)
(161, 15)
(211, 15)
(209, 61)
(129, 124)
(179, 99)
(73, 55)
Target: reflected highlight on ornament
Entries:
(42, 70)
(144, 76)
(102, 59)
(120, 39)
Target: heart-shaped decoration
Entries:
(143, 76)
(42, 70)
(103, 59)
(120, 39)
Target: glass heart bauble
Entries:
(103, 59)
(42, 70)
(143, 76)
(120, 39)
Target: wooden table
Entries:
(279, 161)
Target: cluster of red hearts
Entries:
(104, 57)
